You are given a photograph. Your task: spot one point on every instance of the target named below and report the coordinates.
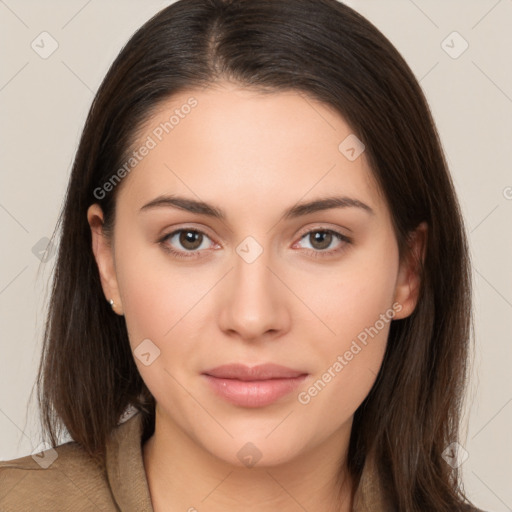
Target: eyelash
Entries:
(314, 253)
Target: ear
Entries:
(408, 280)
(104, 255)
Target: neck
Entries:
(183, 475)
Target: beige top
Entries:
(72, 482)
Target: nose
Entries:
(254, 301)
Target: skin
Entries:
(252, 155)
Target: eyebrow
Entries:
(298, 210)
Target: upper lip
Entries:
(259, 372)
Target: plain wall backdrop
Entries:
(54, 56)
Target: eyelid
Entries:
(164, 237)
(323, 227)
(203, 231)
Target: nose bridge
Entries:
(251, 273)
(254, 303)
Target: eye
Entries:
(322, 239)
(190, 240)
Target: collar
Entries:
(125, 467)
(369, 496)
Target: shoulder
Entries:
(64, 478)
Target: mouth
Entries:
(255, 386)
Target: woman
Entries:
(264, 373)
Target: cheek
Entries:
(357, 309)
(160, 305)
(156, 296)
(352, 297)
(332, 396)
(348, 362)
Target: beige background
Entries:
(44, 103)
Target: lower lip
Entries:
(253, 393)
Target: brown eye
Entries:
(320, 240)
(189, 239)
(185, 243)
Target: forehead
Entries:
(231, 143)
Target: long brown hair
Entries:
(87, 375)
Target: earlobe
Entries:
(104, 256)
(409, 278)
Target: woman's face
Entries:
(256, 286)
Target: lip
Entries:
(259, 372)
(254, 386)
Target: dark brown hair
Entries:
(324, 49)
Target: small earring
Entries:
(112, 305)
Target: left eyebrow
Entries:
(298, 210)
(326, 204)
